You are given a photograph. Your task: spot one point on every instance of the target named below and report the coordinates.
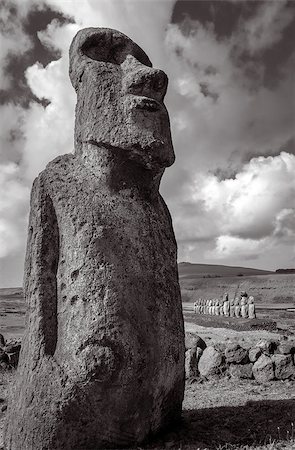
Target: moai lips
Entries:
(102, 359)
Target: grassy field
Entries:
(12, 312)
(268, 289)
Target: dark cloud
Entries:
(224, 16)
(36, 20)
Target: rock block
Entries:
(211, 362)
(263, 369)
(234, 353)
(283, 366)
(286, 347)
(267, 345)
(254, 354)
(192, 357)
(192, 340)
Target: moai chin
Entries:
(102, 360)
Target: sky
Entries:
(230, 64)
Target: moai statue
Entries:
(244, 307)
(237, 307)
(207, 306)
(197, 306)
(251, 308)
(226, 305)
(210, 307)
(202, 307)
(221, 308)
(216, 309)
(102, 359)
(232, 307)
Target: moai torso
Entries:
(244, 307)
(226, 305)
(251, 308)
(232, 308)
(102, 362)
(237, 307)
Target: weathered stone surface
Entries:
(234, 353)
(192, 357)
(102, 359)
(192, 340)
(284, 367)
(211, 362)
(263, 369)
(241, 370)
(254, 353)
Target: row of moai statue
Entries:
(241, 306)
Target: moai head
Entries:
(250, 300)
(119, 98)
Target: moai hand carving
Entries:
(102, 360)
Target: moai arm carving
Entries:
(41, 267)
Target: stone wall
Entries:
(267, 360)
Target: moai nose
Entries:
(143, 80)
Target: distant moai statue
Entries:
(210, 307)
(102, 359)
(226, 305)
(216, 308)
(251, 308)
(232, 307)
(237, 307)
(244, 307)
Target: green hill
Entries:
(192, 271)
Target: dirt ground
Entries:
(221, 414)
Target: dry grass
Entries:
(226, 414)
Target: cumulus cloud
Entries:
(14, 40)
(11, 137)
(223, 119)
(248, 214)
(13, 209)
